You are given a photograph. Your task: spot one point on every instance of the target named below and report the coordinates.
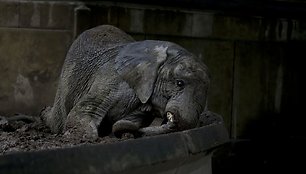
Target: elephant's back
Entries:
(104, 35)
(87, 54)
(90, 46)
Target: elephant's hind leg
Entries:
(86, 116)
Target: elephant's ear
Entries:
(138, 62)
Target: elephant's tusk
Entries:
(170, 117)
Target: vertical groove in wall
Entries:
(234, 104)
(18, 25)
(81, 19)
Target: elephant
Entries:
(112, 84)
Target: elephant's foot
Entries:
(168, 125)
(82, 134)
(83, 128)
(156, 130)
(123, 128)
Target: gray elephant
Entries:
(111, 83)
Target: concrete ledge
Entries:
(180, 152)
(37, 14)
(283, 8)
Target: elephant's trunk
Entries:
(181, 118)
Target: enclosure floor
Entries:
(21, 137)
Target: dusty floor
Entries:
(19, 136)
(22, 136)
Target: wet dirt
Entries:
(33, 135)
(20, 136)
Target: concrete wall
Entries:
(254, 60)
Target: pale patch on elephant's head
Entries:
(161, 53)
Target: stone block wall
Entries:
(253, 59)
(34, 38)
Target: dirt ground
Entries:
(33, 135)
(21, 136)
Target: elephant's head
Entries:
(168, 77)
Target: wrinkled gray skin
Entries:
(111, 83)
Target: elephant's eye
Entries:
(180, 83)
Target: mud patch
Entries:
(32, 135)
(19, 136)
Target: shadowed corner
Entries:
(272, 143)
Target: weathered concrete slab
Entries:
(9, 16)
(298, 29)
(31, 61)
(258, 83)
(151, 20)
(102, 14)
(181, 152)
(219, 57)
(131, 19)
(202, 24)
(237, 28)
(27, 14)
(167, 22)
(49, 15)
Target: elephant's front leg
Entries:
(156, 130)
(132, 123)
(138, 123)
(85, 117)
(167, 126)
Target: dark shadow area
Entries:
(272, 155)
(274, 142)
